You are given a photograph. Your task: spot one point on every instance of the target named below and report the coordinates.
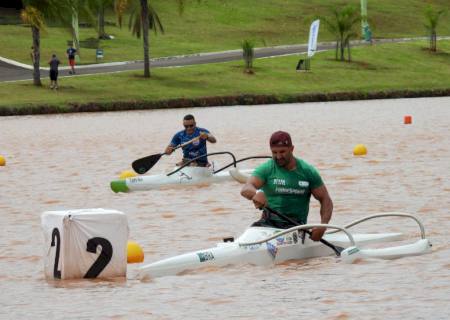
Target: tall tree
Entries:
(343, 24)
(99, 7)
(432, 21)
(142, 18)
(35, 13)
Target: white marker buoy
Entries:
(85, 243)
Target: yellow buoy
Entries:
(134, 252)
(2, 161)
(127, 174)
(360, 150)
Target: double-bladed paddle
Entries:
(142, 165)
(336, 249)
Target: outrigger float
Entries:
(186, 175)
(265, 246)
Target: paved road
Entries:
(9, 72)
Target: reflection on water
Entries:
(67, 161)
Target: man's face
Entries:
(282, 155)
(189, 125)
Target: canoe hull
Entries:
(186, 176)
(287, 247)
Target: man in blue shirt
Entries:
(196, 148)
(71, 56)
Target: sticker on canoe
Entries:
(253, 247)
(272, 249)
(205, 256)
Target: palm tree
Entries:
(343, 25)
(248, 54)
(35, 13)
(432, 17)
(99, 7)
(142, 18)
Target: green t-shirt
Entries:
(287, 191)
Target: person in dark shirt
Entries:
(71, 56)
(54, 63)
(194, 149)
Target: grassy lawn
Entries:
(215, 25)
(381, 67)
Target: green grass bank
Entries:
(379, 71)
(217, 25)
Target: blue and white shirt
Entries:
(194, 149)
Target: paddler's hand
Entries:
(317, 233)
(169, 150)
(204, 135)
(259, 200)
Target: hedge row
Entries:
(247, 99)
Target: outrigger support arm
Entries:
(386, 214)
(302, 227)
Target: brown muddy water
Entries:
(67, 161)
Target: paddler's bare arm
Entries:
(326, 210)
(249, 191)
(208, 137)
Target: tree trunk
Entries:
(433, 41)
(342, 44)
(75, 33)
(145, 27)
(337, 50)
(36, 56)
(101, 23)
(348, 51)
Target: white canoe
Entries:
(282, 248)
(265, 246)
(186, 176)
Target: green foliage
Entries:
(135, 21)
(248, 54)
(343, 25)
(432, 21)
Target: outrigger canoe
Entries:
(185, 176)
(267, 246)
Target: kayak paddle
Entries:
(142, 165)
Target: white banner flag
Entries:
(313, 33)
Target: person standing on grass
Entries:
(71, 51)
(54, 63)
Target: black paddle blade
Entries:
(142, 165)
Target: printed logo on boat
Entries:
(353, 250)
(272, 249)
(205, 256)
(295, 237)
(253, 247)
(303, 184)
(280, 241)
(184, 176)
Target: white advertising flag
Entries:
(313, 33)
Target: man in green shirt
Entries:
(285, 183)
